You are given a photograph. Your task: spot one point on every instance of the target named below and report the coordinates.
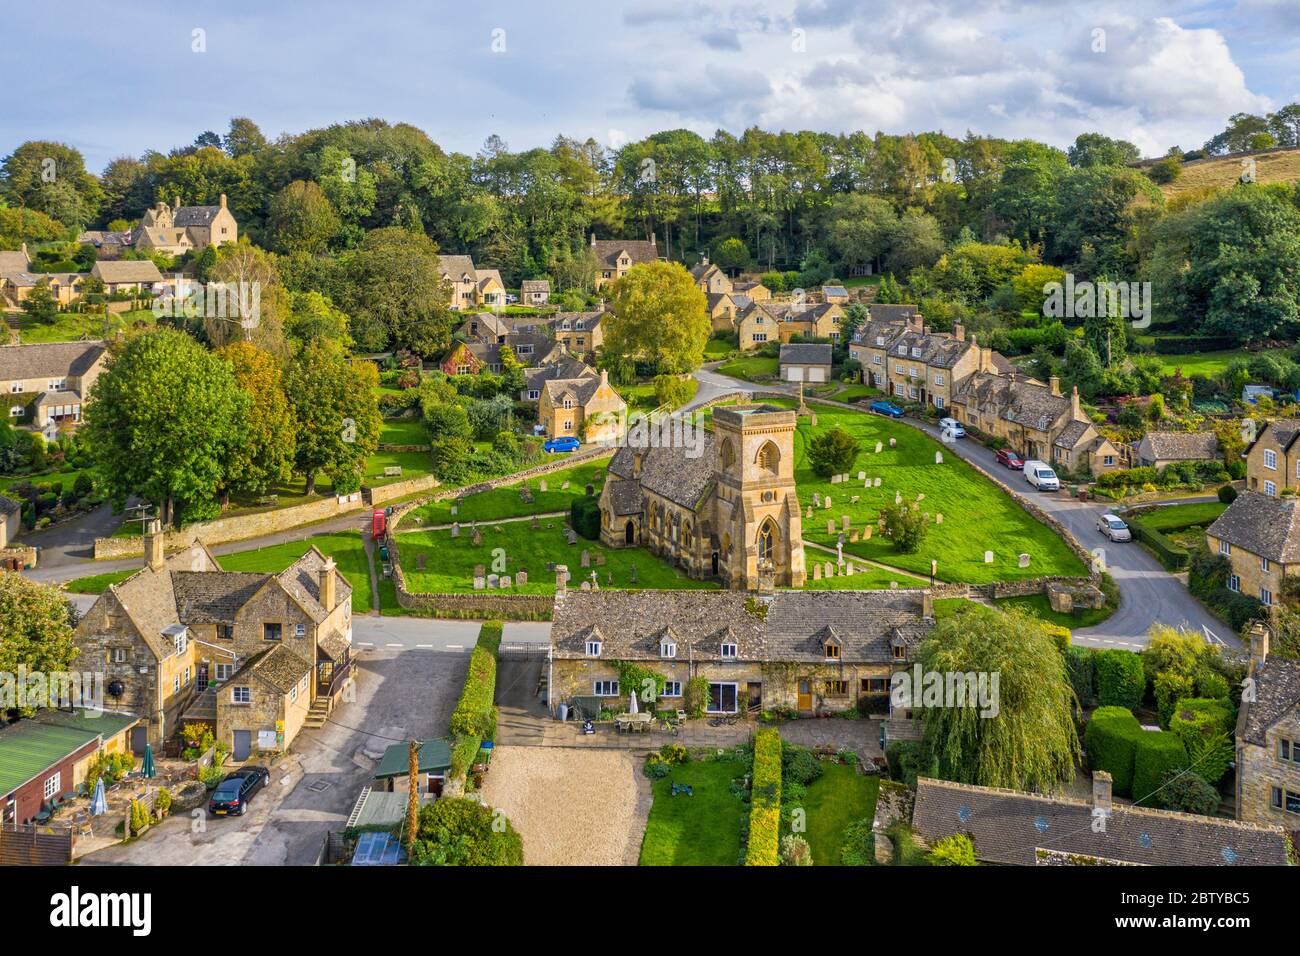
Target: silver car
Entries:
(1113, 528)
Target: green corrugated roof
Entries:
(435, 756)
(106, 724)
(30, 746)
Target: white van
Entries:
(1040, 475)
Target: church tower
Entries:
(758, 519)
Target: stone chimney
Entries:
(916, 322)
(604, 376)
(652, 239)
(153, 545)
(561, 579)
(223, 200)
(927, 605)
(1075, 411)
(25, 255)
(1101, 791)
(766, 583)
(959, 332)
(176, 202)
(704, 260)
(329, 594)
(1258, 643)
(1055, 383)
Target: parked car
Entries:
(511, 298)
(1114, 528)
(233, 793)
(1040, 475)
(887, 408)
(1010, 458)
(952, 425)
(563, 443)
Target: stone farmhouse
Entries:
(582, 405)
(174, 230)
(730, 513)
(614, 257)
(534, 292)
(581, 333)
(1268, 740)
(1015, 828)
(471, 288)
(1273, 458)
(483, 336)
(762, 322)
(1260, 537)
(182, 641)
(45, 385)
(1158, 449)
(127, 275)
(65, 287)
(808, 651)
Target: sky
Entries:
(154, 75)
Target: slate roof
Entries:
(1008, 826)
(194, 215)
(11, 262)
(126, 270)
(214, 597)
(632, 624)
(625, 497)
(746, 286)
(8, 506)
(335, 646)
(1012, 399)
(1182, 446)
(486, 275)
(1071, 434)
(836, 290)
(805, 354)
(49, 360)
(669, 472)
(1284, 431)
(302, 580)
(457, 267)
(714, 299)
(638, 250)
(490, 352)
(565, 368)
(578, 321)
(29, 280)
(701, 269)
(881, 311)
(582, 389)
(1265, 526)
(534, 285)
(938, 349)
(1277, 694)
(280, 667)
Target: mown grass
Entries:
(74, 326)
(751, 368)
(702, 829)
(506, 503)
(347, 550)
(99, 583)
(1183, 516)
(839, 797)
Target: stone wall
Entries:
(400, 489)
(1259, 770)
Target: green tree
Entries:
(51, 178)
(955, 850)
(36, 623)
(301, 219)
(458, 832)
(395, 293)
(1030, 743)
(905, 526)
(658, 317)
(265, 456)
(832, 452)
(337, 415)
(164, 419)
(1094, 149)
(40, 305)
(732, 255)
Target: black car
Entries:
(233, 793)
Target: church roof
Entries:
(671, 473)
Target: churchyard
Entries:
(549, 493)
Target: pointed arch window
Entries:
(769, 458)
(728, 454)
(766, 540)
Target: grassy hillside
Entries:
(1280, 166)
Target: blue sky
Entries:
(1160, 74)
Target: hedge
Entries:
(1111, 741)
(1189, 344)
(1159, 753)
(1121, 681)
(1080, 668)
(1169, 552)
(475, 715)
(584, 514)
(765, 801)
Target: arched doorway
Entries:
(629, 533)
(714, 564)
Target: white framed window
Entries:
(1270, 458)
(52, 785)
(534, 394)
(58, 384)
(117, 655)
(938, 401)
(186, 681)
(938, 380)
(300, 630)
(916, 352)
(1266, 597)
(672, 688)
(224, 671)
(16, 388)
(877, 359)
(604, 688)
(1108, 460)
(900, 368)
(1234, 583)
(729, 651)
(593, 648)
(568, 426)
(667, 649)
(241, 695)
(176, 684)
(902, 350)
(1264, 564)
(1225, 548)
(568, 403)
(1270, 489)
(181, 642)
(15, 411)
(760, 336)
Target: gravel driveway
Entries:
(572, 807)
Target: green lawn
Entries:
(750, 367)
(865, 577)
(99, 583)
(699, 830)
(1201, 363)
(718, 347)
(403, 431)
(977, 515)
(72, 326)
(839, 797)
(347, 550)
(66, 478)
(450, 562)
(506, 503)
(1041, 608)
(641, 396)
(413, 465)
(841, 392)
(1173, 517)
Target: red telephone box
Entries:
(377, 525)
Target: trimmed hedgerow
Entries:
(1120, 680)
(1159, 754)
(765, 801)
(1080, 668)
(475, 715)
(1169, 552)
(1111, 741)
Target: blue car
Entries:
(566, 443)
(887, 408)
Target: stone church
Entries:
(730, 512)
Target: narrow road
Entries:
(1148, 593)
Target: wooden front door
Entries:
(805, 694)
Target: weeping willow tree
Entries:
(996, 702)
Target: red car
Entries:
(1009, 458)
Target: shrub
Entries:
(832, 452)
(904, 526)
(1170, 688)
(695, 695)
(673, 753)
(909, 759)
(1227, 494)
(1080, 669)
(584, 514)
(1205, 727)
(765, 800)
(1211, 684)
(1189, 793)
(1121, 681)
(1111, 741)
(456, 832)
(799, 764)
(955, 850)
(475, 715)
(139, 816)
(1171, 554)
(795, 851)
(655, 768)
(859, 847)
(163, 802)
(1158, 753)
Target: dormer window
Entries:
(729, 651)
(916, 352)
(667, 648)
(902, 350)
(593, 648)
(880, 340)
(900, 652)
(181, 642)
(832, 651)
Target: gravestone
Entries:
(632, 573)
(877, 482)
(492, 581)
(854, 500)
(813, 418)
(595, 580)
(828, 570)
(848, 569)
(1024, 560)
(505, 581)
(845, 522)
(478, 582)
(817, 572)
(893, 585)
(938, 517)
(478, 539)
(455, 529)
(893, 442)
(609, 578)
(586, 558)
(827, 501)
(419, 561)
(988, 557)
(536, 524)
(830, 525)
(938, 458)
(866, 533)
(817, 499)
(479, 570)
(564, 487)
(571, 535)
(920, 496)
(541, 485)
(809, 515)
(521, 578)
(454, 511)
(853, 537)
(898, 497)
(879, 448)
(835, 479)
(600, 559)
(862, 475)
(586, 585)
(525, 494)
